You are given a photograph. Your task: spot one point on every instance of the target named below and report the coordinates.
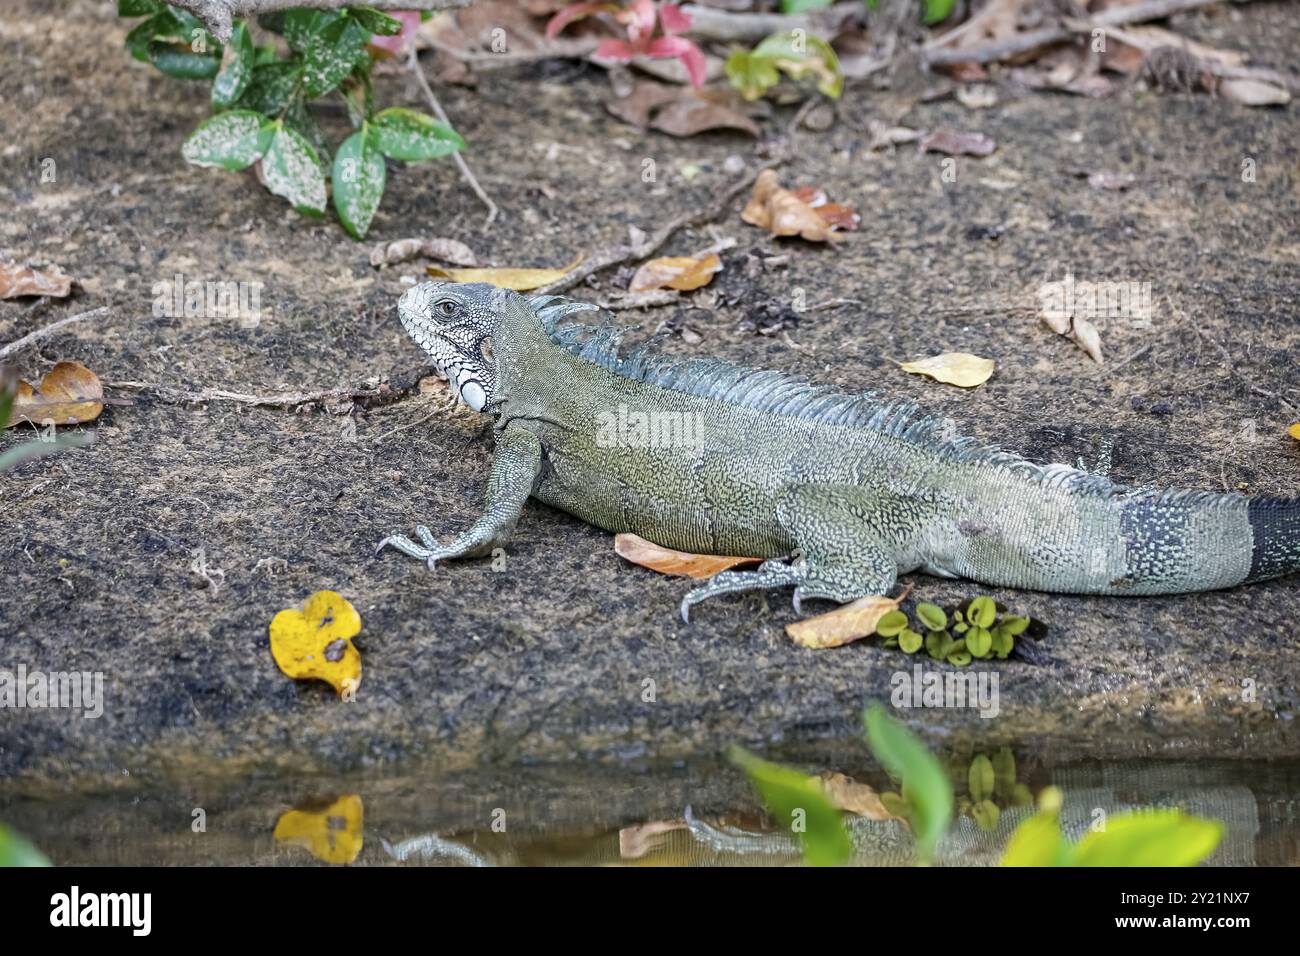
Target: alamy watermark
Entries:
(935, 689)
(22, 689)
(1073, 299)
(627, 428)
(205, 299)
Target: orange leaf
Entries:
(682, 273)
(638, 550)
(68, 395)
(1294, 431)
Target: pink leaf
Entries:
(640, 20)
(615, 50)
(574, 11)
(397, 43)
(673, 19)
(686, 51)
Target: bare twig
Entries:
(41, 333)
(218, 14)
(710, 23)
(169, 393)
(553, 51)
(413, 61)
(1031, 39)
(437, 410)
(617, 255)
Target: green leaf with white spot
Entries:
(331, 54)
(298, 26)
(358, 182)
(292, 169)
(412, 136)
(161, 25)
(798, 802)
(236, 69)
(271, 87)
(375, 21)
(180, 61)
(231, 140)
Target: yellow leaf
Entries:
(69, 394)
(843, 625)
(332, 834)
(316, 641)
(1294, 431)
(638, 550)
(953, 368)
(520, 280)
(682, 273)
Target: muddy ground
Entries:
(545, 661)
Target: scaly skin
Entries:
(841, 493)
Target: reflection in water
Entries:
(700, 814)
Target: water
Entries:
(693, 813)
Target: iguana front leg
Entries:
(514, 472)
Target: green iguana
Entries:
(840, 493)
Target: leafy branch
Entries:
(261, 101)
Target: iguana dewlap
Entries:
(842, 493)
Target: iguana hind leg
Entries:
(839, 556)
(770, 574)
(514, 471)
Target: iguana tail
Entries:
(1124, 541)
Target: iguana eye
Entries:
(446, 308)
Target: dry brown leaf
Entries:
(400, 250)
(19, 280)
(955, 143)
(843, 625)
(520, 280)
(953, 368)
(1083, 332)
(647, 96)
(682, 273)
(69, 394)
(1254, 93)
(784, 212)
(1125, 48)
(848, 795)
(690, 115)
(638, 550)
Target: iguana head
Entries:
(469, 328)
(455, 323)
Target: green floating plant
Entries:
(972, 630)
(261, 103)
